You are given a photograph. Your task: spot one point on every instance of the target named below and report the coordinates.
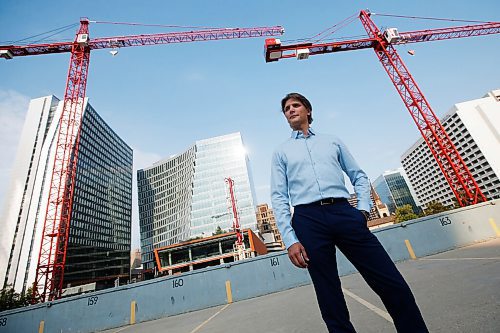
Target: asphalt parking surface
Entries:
(457, 291)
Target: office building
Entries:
(474, 128)
(187, 196)
(266, 223)
(99, 236)
(394, 190)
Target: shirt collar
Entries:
(300, 134)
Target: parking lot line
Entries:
(369, 305)
(206, 321)
(494, 258)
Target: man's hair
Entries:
(302, 100)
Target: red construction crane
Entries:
(234, 210)
(450, 162)
(52, 257)
(239, 246)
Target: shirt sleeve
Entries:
(358, 178)
(280, 200)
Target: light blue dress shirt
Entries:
(308, 169)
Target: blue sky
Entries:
(160, 99)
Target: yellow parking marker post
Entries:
(132, 313)
(494, 226)
(229, 292)
(410, 249)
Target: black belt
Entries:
(328, 201)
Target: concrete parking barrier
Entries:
(232, 282)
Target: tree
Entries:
(30, 298)
(435, 207)
(9, 299)
(405, 213)
(218, 231)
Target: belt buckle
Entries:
(325, 202)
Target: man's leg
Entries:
(314, 234)
(369, 257)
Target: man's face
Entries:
(296, 114)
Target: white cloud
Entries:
(13, 108)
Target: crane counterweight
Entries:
(6, 54)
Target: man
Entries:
(307, 172)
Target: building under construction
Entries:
(205, 252)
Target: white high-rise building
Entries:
(186, 195)
(99, 234)
(474, 128)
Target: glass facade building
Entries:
(187, 196)
(384, 193)
(164, 193)
(395, 190)
(217, 159)
(99, 235)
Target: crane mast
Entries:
(52, 255)
(453, 167)
(239, 245)
(53, 246)
(451, 164)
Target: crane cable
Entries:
(431, 18)
(349, 20)
(328, 32)
(70, 26)
(54, 31)
(156, 25)
(340, 25)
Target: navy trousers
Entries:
(320, 229)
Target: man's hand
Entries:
(298, 255)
